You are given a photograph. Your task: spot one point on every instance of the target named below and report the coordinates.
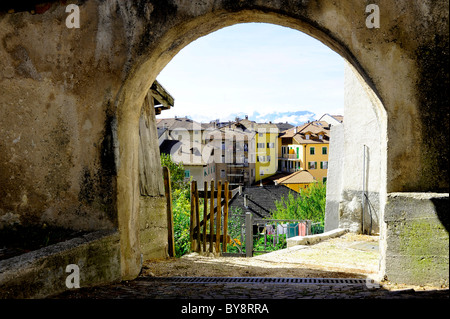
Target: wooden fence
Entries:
(170, 228)
(203, 235)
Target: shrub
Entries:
(310, 205)
(181, 205)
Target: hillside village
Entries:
(246, 153)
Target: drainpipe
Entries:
(305, 167)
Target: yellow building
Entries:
(305, 148)
(266, 150)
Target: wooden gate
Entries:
(203, 235)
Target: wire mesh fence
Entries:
(249, 236)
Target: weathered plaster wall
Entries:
(364, 156)
(57, 119)
(153, 241)
(71, 98)
(153, 228)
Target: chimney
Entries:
(246, 117)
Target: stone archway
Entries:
(90, 83)
(152, 62)
(387, 68)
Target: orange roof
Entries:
(300, 177)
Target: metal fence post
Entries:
(248, 234)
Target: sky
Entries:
(268, 72)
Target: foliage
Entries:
(310, 205)
(271, 245)
(181, 205)
(235, 221)
(176, 172)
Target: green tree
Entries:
(310, 204)
(176, 172)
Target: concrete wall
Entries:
(417, 226)
(363, 132)
(335, 177)
(42, 272)
(365, 153)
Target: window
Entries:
(312, 165)
(324, 165)
(306, 136)
(260, 145)
(298, 152)
(261, 158)
(312, 150)
(187, 173)
(324, 150)
(268, 158)
(270, 145)
(222, 173)
(204, 172)
(320, 137)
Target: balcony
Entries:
(237, 165)
(290, 156)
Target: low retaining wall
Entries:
(417, 238)
(314, 239)
(42, 272)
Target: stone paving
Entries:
(153, 288)
(150, 295)
(153, 284)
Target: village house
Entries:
(306, 148)
(297, 181)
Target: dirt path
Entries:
(349, 256)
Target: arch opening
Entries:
(146, 69)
